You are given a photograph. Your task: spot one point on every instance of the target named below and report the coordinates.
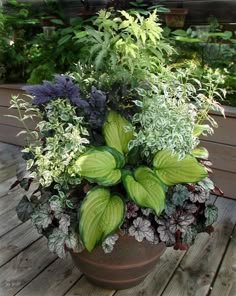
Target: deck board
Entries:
(199, 266)
(23, 235)
(29, 269)
(57, 278)
(24, 267)
(225, 283)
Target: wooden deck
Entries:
(27, 268)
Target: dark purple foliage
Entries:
(62, 87)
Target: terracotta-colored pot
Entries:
(126, 266)
(176, 17)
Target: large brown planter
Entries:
(126, 266)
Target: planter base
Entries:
(127, 266)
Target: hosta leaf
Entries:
(200, 152)
(173, 171)
(101, 165)
(211, 214)
(145, 189)
(115, 132)
(101, 214)
(24, 209)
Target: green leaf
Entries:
(145, 189)
(115, 132)
(171, 170)
(101, 165)
(200, 129)
(101, 214)
(64, 39)
(211, 214)
(57, 21)
(200, 152)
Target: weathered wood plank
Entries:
(222, 156)
(10, 201)
(55, 280)
(22, 269)
(5, 186)
(7, 90)
(8, 221)
(198, 267)
(225, 181)
(8, 135)
(155, 283)
(5, 120)
(16, 240)
(225, 133)
(83, 287)
(225, 283)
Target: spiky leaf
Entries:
(101, 214)
(171, 170)
(115, 132)
(145, 189)
(101, 165)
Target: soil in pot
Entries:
(126, 266)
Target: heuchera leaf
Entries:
(24, 209)
(145, 189)
(211, 214)
(173, 171)
(101, 214)
(101, 165)
(115, 132)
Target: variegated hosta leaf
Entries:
(101, 214)
(101, 165)
(145, 189)
(200, 152)
(173, 171)
(116, 133)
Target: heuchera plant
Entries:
(116, 150)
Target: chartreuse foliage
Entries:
(200, 152)
(116, 132)
(102, 211)
(100, 215)
(101, 165)
(173, 171)
(145, 189)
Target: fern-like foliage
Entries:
(126, 44)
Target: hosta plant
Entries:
(116, 149)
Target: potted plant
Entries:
(176, 17)
(116, 156)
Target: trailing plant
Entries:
(116, 158)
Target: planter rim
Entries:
(177, 11)
(12, 85)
